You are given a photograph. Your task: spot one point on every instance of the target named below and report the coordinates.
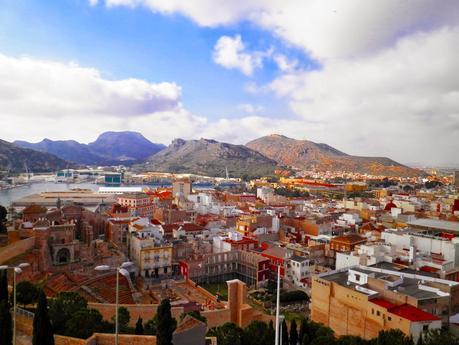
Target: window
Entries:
(357, 277)
(372, 311)
(378, 313)
(389, 318)
(425, 328)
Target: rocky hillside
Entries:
(306, 154)
(210, 157)
(15, 159)
(109, 148)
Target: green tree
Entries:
(227, 334)
(305, 340)
(284, 333)
(26, 293)
(293, 333)
(6, 331)
(351, 340)
(3, 213)
(440, 336)
(151, 326)
(256, 333)
(271, 336)
(123, 319)
(303, 330)
(393, 337)
(63, 307)
(42, 330)
(196, 314)
(139, 326)
(84, 323)
(166, 323)
(3, 285)
(323, 340)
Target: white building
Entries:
(298, 270)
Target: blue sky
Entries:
(369, 78)
(136, 43)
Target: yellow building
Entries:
(152, 258)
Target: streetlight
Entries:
(281, 320)
(121, 269)
(277, 307)
(16, 270)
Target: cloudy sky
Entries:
(376, 77)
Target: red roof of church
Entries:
(390, 205)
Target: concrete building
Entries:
(181, 188)
(249, 267)
(139, 204)
(152, 256)
(298, 271)
(362, 301)
(234, 241)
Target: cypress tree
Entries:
(303, 330)
(42, 330)
(293, 333)
(6, 331)
(166, 323)
(271, 334)
(284, 333)
(3, 285)
(139, 326)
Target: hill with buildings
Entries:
(210, 157)
(109, 148)
(306, 154)
(17, 159)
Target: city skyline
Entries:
(369, 80)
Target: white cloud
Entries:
(402, 102)
(284, 63)
(93, 2)
(230, 53)
(251, 108)
(326, 29)
(40, 98)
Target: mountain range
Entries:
(210, 157)
(204, 156)
(110, 148)
(305, 154)
(17, 159)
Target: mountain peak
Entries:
(305, 154)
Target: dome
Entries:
(390, 205)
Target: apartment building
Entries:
(363, 301)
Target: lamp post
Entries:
(277, 307)
(16, 270)
(281, 320)
(121, 269)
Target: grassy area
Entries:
(220, 288)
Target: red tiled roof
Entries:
(411, 313)
(382, 303)
(405, 311)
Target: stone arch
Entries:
(63, 256)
